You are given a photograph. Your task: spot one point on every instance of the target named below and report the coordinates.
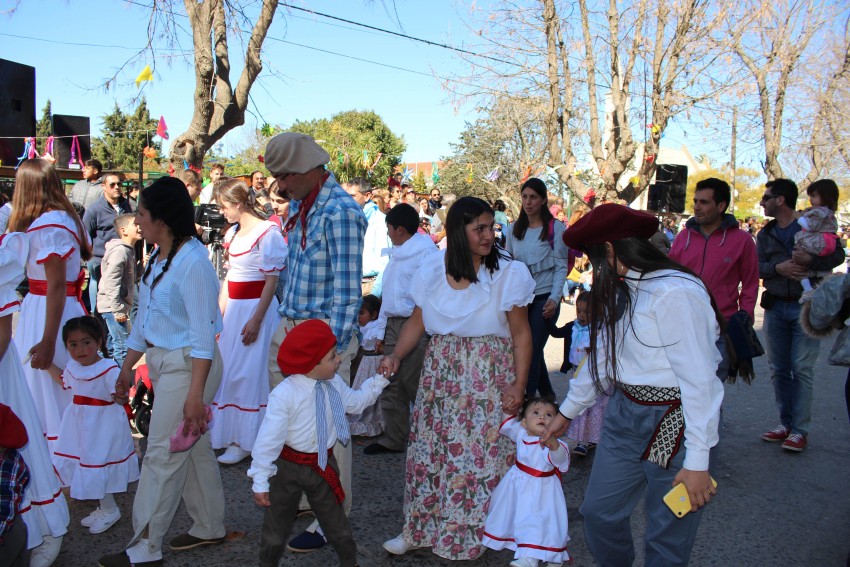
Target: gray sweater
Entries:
(115, 290)
(828, 310)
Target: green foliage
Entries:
(419, 183)
(347, 135)
(747, 184)
(44, 127)
(124, 137)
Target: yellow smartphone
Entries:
(677, 499)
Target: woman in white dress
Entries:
(257, 253)
(44, 508)
(57, 243)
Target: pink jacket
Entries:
(723, 260)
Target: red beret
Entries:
(609, 222)
(13, 434)
(304, 347)
(393, 182)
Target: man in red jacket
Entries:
(720, 253)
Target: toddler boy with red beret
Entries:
(14, 478)
(293, 452)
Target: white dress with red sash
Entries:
(94, 454)
(53, 234)
(44, 508)
(528, 511)
(240, 403)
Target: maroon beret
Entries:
(609, 222)
(393, 182)
(13, 434)
(304, 347)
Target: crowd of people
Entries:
(422, 319)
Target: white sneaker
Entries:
(105, 521)
(91, 518)
(523, 562)
(45, 554)
(233, 455)
(398, 545)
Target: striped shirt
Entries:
(323, 280)
(182, 310)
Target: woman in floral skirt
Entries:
(473, 301)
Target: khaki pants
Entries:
(166, 476)
(341, 452)
(396, 398)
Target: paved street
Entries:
(772, 508)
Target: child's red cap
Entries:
(13, 434)
(304, 347)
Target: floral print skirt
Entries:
(456, 456)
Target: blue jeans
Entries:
(791, 354)
(538, 374)
(94, 277)
(118, 333)
(619, 480)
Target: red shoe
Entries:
(781, 433)
(795, 442)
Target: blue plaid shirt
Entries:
(323, 279)
(14, 478)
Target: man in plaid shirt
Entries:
(326, 228)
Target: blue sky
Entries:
(306, 83)
(297, 83)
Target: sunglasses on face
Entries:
(114, 184)
(767, 197)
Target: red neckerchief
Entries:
(303, 209)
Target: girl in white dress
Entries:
(94, 454)
(371, 421)
(528, 511)
(57, 243)
(257, 254)
(44, 509)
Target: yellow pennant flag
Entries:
(145, 75)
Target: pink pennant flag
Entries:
(162, 129)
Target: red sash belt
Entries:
(87, 401)
(72, 289)
(245, 290)
(534, 472)
(312, 460)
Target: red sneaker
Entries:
(781, 433)
(795, 442)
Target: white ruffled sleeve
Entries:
(13, 255)
(50, 241)
(274, 251)
(517, 286)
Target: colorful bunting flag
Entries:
(145, 75)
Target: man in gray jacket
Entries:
(89, 190)
(790, 352)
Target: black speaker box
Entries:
(64, 127)
(17, 109)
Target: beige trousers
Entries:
(166, 476)
(341, 452)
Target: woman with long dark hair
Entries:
(57, 243)
(257, 254)
(535, 239)
(175, 328)
(472, 301)
(654, 349)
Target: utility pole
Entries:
(734, 143)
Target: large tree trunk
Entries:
(218, 108)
